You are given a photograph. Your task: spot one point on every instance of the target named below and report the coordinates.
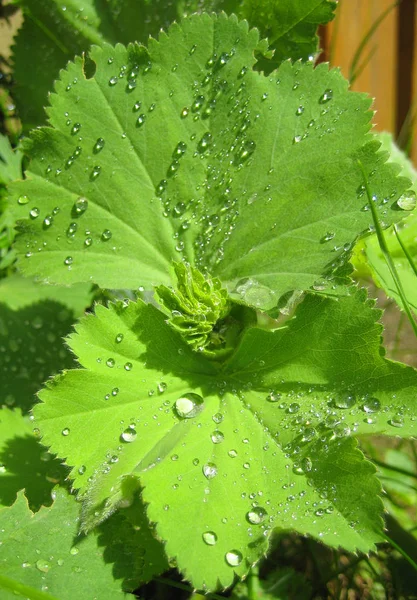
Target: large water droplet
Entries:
(210, 538)
(233, 558)
(345, 400)
(217, 437)
(43, 565)
(80, 205)
(210, 470)
(371, 405)
(189, 405)
(326, 97)
(256, 515)
(129, 435)
(98, 146)
(407, 201)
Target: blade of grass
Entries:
(353, 73)
(386, 253)
(406, 252)
(401, 551)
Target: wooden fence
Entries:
(389, 56)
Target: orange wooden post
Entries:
(378, 78)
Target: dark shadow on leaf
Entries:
(33, 337)
(27, 465)
(129, 544)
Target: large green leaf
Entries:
(218, 447)
(54, 31)
(24, 463)
(41, 551)
(258, 177)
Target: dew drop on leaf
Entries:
(233, 558)
(396, 421)
(210, 538)
(106, 235)
(232, 453)
(110, 362)
(22, 200)
(98, 146)
(345, 400)
(256, 515)
(407, 201)
(371, 405)
(326, 97)
(128, 366)
(140, 120)
(65, 432)
(80, 205)
(42, 565)
(210, 470)
(217, 437)
(119, 338)
(128, 435)
(189, 405)
(68, 261)
(34, 213)
(75, 128)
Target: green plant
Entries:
(194, 422)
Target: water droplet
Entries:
(110, 362)
(68, 261)
(88, 241)
(137, 106)
(180, 149)
(119, 338)
(210, 538)
(140, 120)
(273, 397)
(217, 418)
(299, 111)
(98, 146)
(128, 366)
(407, 201)
(129, 435)
(106, 235)
(65, 432)
(193, 49)
(75, 128)
(162, 387)
(345, 400)
(246, 151)
(184, 113)
(22, 200)
(293, 408)
(34, 213)
(42, 565)
(371, 405)
(396, 421)
(74, 551)
(115, 391)
(189, 405)
(82, 470)
(197, 104)
(80, 205)
(232, 453)
(233, 558)
(256, 515)
(95, 172)
(113, 80)
(210, 470)
(326, 238)
(326, 97)
(47, 222)
(205, 142)
(217, 437)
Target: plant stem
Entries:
(386, 253)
